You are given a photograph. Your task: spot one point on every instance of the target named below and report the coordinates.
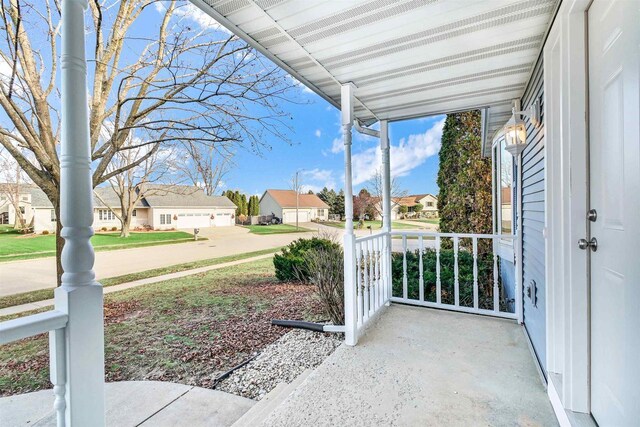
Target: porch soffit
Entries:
(407, 58)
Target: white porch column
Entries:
(80, 296)
(350, 307)
(386, 200)
(386, 175)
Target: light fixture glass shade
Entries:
(515, 133)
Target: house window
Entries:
(165, 219)
(133, 213)
(429, 204)
(503, 197)
(25, 198)
(53, 215)
(106, 215)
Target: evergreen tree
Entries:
(243, 205)
(339, 204)
(464, 177)
(255, 210)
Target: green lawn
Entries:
(186, 330)
(375, 225)
(14, 246)
(45, 294)
(275, 229)
(435, 221)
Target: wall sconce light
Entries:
(515, 131)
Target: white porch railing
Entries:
(55, 323)
(373, 277)
(465, 277)
(462, 244)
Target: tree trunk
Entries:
(126, 226)
(59, 245)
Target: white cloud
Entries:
(316, 179)
(298, 84)
(318, 133)
(193, 13)
(410, 153)
(337, 145)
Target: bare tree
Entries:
(13, 182)
(180, 83)
(204, 165)
(133, 184)
(375, 186)
(296, 185)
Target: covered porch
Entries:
(467, 363)
(424, 367)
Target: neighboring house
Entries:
(161, 207)
(429, 204)
(282, 204)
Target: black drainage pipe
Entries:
(299, 324)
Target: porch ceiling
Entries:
(408, 58)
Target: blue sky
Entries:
(316, 150)
(314, 143)
(315, 147)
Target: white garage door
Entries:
(223, 220)
(193, 220)
(290, 217)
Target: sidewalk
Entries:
(16, 309)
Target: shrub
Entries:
(447, 279)
(45, 232)
(104, 229)
(114, 228)
(289, 265)
(326, 272)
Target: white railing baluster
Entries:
(376, 244)
(58, 373)
(372, 279)
(475, 272)
(496, 301)
(365, 267)
(438, 283)
(456, 280)
(405, 292)
(359, 283)
(421, 270)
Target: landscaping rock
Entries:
(280, 362)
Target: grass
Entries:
(276, 229)
(186, 330)
(435, 221)
(16, 246)
(374, 225)
(45, 294)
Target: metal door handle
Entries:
(585, 244)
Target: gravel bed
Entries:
(281, 361)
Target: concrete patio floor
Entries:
(137, 403)
(423, 367)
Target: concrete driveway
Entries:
(29, 275)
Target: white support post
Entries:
(385, 149)
(518, 246)
(80, 296)
(350, 308)
(386, 175)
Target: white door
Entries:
(193, 220)
(614, 97)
